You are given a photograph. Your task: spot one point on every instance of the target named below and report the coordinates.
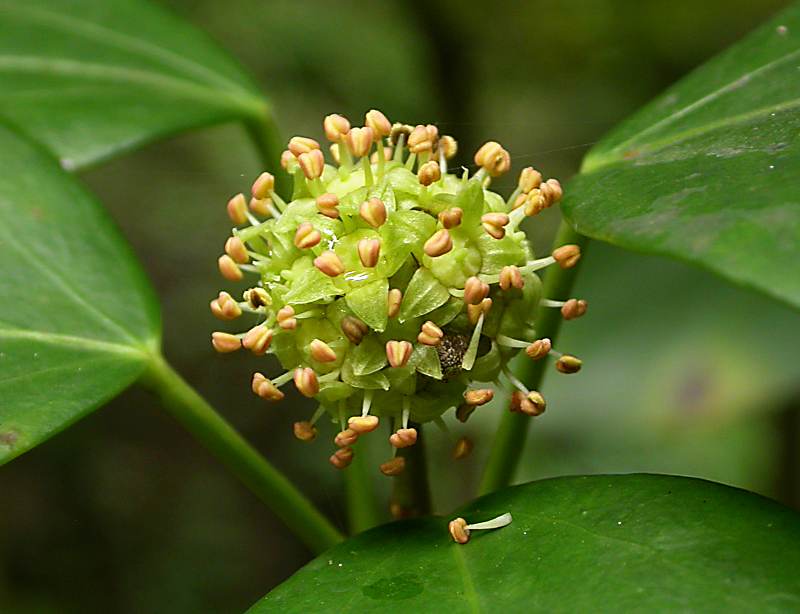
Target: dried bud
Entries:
(450, 218)
(474, 311)
(229, 269)
(552, 191)
(493, 224)
(354, 329)
(529, 179)
(286, 319)
(225, 308)
(475, 291)
(520, 200)
(306, 236)
(439, 244)
(448, 147)
(341, 458)
(373, 212)
(321, 351)
(462, 448)
(387, 155)
(258, 339)
(393, 467)
(363, 424)
(478, 397)
(306, 382)
(300, 145)
(493, 158)
(263, 186)
(359, 141)
(261, 206)
(532, 404)
(429, 173)
(368, 251)
(264, 388)
(305, 431)
(510, 277)
(288, 160)
(393, 300)
(336, 127)
(569, 364)
(459, 531)
(237, 209)
(536, 202)
(329, 263)
(312, 163)
(335, 153)
(464, 411)
(420, 140)
(225, 343)
(398, 353)
(430, 334)
(257, 297)
(345, 438)
(399, 130)
(539, 349)
(377, 121)
(574, 308)
(328, 205)
(567, 256)
(236, 250)
(403, 438)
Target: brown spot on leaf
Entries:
(8, 438)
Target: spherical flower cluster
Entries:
(387, 286)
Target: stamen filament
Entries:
(398, 149)
(282, 379)
(406, 411)
(472, 351)
(546, 302)
(368, 179)
(410, 162)
(317, 415)
(540, 263)
(495, 523)
(509, 342)
(366, 403)
(515, 382)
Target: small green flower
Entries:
(387, 286)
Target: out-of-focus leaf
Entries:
(78, 318)
(92, 78)
(612, 543)
(709, 172)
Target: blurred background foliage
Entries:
(684, 374)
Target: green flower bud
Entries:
(387, 288)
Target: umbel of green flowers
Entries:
(388, 286)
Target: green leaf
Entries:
(426, 360)
(424, 294)
(404, 232)
(78, 319)
(90, 78)
(709, 172)
(311, 285)
(368, 356)
(369, 303)
(576, 544)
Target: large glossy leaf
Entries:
(77, 316)
(709, 172)
(579, 544)
(91, 78)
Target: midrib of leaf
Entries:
(73, 341)
(104, 72)
(470, 594)
(112, 38)
(617, 154)
(68, 291)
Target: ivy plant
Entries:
(708, 173)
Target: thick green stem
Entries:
(411, 493)
(266, 137)
(509, 441)
(266, 482)
(362, 513)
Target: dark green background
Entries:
(684, 373)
